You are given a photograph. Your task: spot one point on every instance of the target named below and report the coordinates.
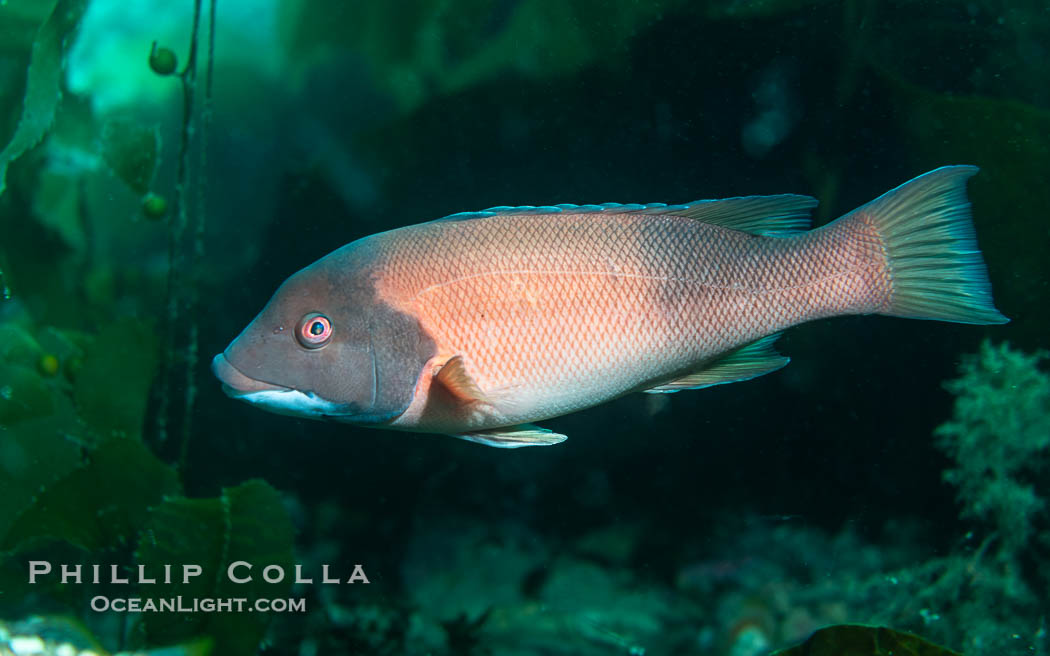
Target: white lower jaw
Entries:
(293, 402)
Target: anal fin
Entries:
(749, 361)
(513, 437)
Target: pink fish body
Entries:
(478, 324)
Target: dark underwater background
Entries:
(141, 229)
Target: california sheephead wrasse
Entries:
(476, 324)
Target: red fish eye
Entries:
(314, 331)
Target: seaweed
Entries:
(857, 640)
(77, 479)
(131, 150)
(43, 81)
(998, 439)
(468, 43)
(33, 456)
(464, 633)
(57, 452)
(5, 290)
(185, 233)
(984, 594)
(39, 428)
(23, 394)
(246, 523)
(117, 368)
(64, 636)
(119, 481)
(65, 259)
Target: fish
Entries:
(479, 324)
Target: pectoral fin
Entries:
(749, 361)
(454, 377)
(512, 437)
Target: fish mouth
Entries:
(236, 383)
(275, 398)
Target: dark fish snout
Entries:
(234, 381)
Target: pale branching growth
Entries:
(999, 438)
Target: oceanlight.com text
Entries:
(181, 604)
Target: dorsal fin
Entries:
(749, 361)
(754, 214)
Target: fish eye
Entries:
(315, 330)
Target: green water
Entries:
(149, 211)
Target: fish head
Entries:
(326, 347)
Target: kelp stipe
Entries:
(186, 225)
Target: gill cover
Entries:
(366, 372)
(400, 350)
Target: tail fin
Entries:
(931, 249)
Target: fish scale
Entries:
(574, 329)
(477, 324)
